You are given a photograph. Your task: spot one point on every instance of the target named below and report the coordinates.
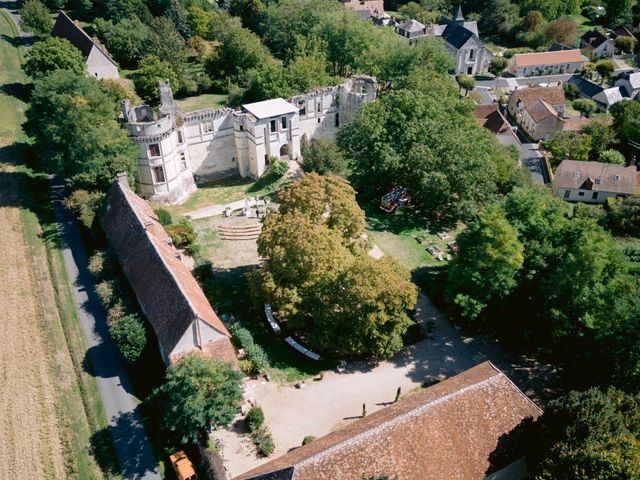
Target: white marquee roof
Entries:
(270, 108)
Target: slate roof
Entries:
(594, 38)
(557, 47)
(587, 88)
(456, 35)
(547, 58)
(613, 95)
(624, 32)
(490, 117)
(168, 292)
(270, 108)
(595, 176)
(412, 26)
(446, 431)
(67, 28)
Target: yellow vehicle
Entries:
(183, 466)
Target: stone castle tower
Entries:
(178, 150)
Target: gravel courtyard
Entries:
(323, 406)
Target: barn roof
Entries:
(448, 430)
(169, 294)
(70, 30)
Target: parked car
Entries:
(396, 198)
(183, 466)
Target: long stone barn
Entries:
(168, 294)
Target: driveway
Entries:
(510, 83)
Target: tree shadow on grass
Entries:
(21, 91)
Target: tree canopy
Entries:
(77, 136)
(36, 18)
(199, 391)
(319, 278)
(53, 54)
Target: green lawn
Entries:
(402, 235)
(226, 191)
(201, 102)
(584, 24)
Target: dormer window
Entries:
(616, 177)
(597, 181)
(576, 174)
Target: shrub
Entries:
(129, 335)
(254, 418)
(246, 366)
(164, 217)
(181, 233)
(279, 168)
(258, 358)
(241, 337)
(115, 313)
(85, 205)
(308, 439)
(96, 264)
(106, 293)
(263, 441)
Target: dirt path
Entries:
(29, 428)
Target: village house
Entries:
(624, 32)
(179, 149)
(597, 44)
(168, 294)
(604, 98)
(546, 63)
(449, 430)
(593, 182)
(98, 61)
(460, 38)
(538, 110)
(629, 84)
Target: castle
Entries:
(179, 149)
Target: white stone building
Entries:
(178, 149)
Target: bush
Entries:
(308, 439)
(164, 217)
(254, 418)
(106, 293)
(96, 264)
(181, 233)
(278, 168)
(129, 334)
(85, 205)
(241, 337)
(263, 441)
(258, 358)
(115, 313)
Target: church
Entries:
(178, 150)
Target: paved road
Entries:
(127, 432)
(130, 441)
(512, 83)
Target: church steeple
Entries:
(459, 16)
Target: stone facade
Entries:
(179, 149)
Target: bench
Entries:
(272, 321)
(306, 352)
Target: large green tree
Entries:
(625, 120)
(54, 54)
(199, 391)
(36, 18)
(488, 262)
(76, 132)
(590, 435)
(325, 158)
(423, 137)
(317, 274)
(126, 40)
(153, 70)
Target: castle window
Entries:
(337, 119)
(154, 150)
(183, 161)
(158, 174)
(319, 120)
(472, 55)
(273, 126)
(318, 105)
(208, 127)
(180, 139)
(283, 122)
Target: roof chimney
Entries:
(123, 179)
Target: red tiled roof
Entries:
(540, 110)
(164, 285)
(547, 58)
(446, 431)
(490, 117)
